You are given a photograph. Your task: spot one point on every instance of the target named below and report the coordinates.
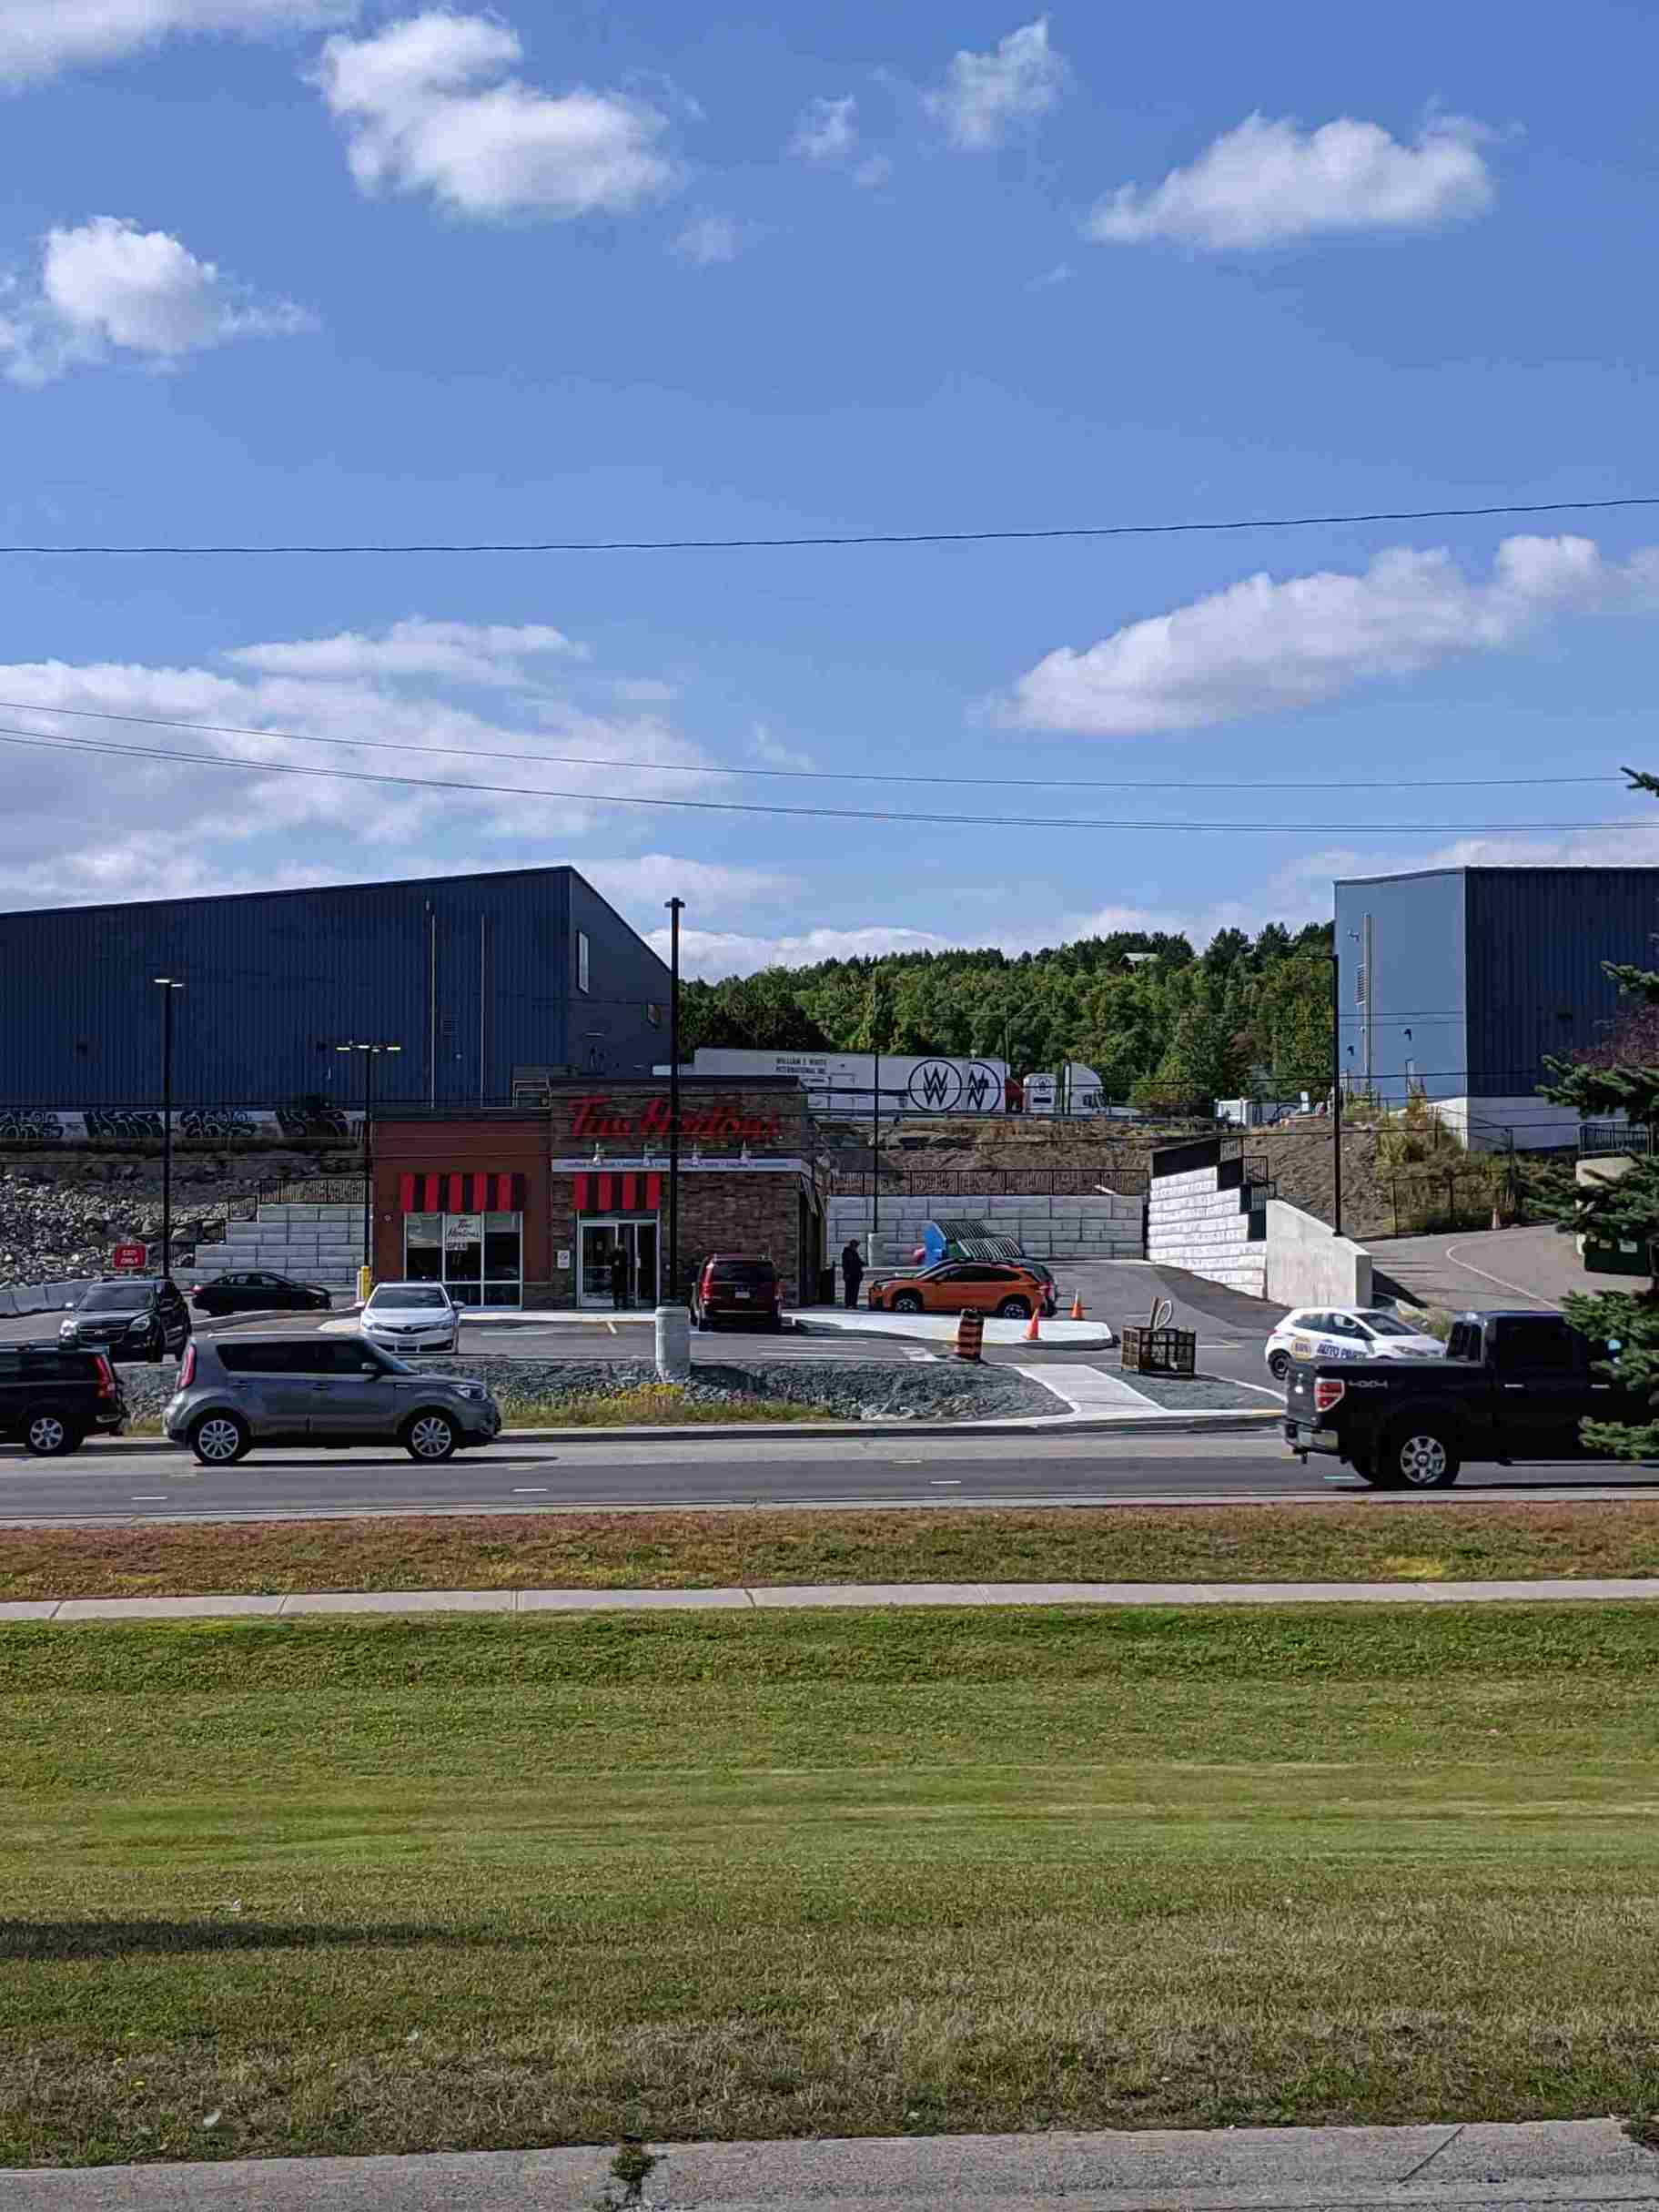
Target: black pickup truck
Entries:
(51, 1399)
(1513, 1386)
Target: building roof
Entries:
(311, 890)
(1417, 875)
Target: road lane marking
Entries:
(150, 1498)
(940, 1485)
(532, 1490)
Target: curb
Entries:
(1221, 1422)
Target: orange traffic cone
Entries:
(1077, 1306)
(1034, 1333)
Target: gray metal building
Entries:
(486, 981)
(1462, 982)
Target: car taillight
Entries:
(186, 1374)
(106, 1377)
(1327, 1393)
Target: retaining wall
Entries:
(1309, 1266)
(1192, 1222)
(1099, 1225)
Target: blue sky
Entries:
(283, 270)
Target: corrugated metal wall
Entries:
(1537, 939)
(1415, 988)
(470, 974)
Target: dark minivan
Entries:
(51, 1400)
(734, 1286)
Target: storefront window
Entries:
(423, 1247)
(503, 1259)
(463, 1257)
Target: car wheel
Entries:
(1279, 1365)
(905, 1301)
(219, 1439)
(429, 1436)
(48, 1435)
(1418, 1457)
(1014, 1309)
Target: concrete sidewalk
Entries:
(813, 1596)
(1552, 2163)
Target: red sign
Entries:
(130, 1258)
(605, 1118)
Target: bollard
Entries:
(673, 1344)
(365, 1284)
(970, 1336)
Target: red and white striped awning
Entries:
(622, 1194)
(471, 1191)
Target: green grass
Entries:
(401, 1885)
(1378, 1539)
(648, 1406)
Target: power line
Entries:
(838, 775)
(831, 814)
(884, 537)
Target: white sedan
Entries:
(411, 1317)
(1346, 1331)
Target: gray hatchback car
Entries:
(234, 1392)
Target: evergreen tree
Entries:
(1622, 1211)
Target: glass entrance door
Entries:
(604, 1243)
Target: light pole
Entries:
(167, 984)
(371, 1053)
(1336, 1095)
(674, 1325)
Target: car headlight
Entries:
(470, 1390)
(66, 1328)
(138, 1327)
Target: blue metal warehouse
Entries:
(486, 981)
(1460, 983)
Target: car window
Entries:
(332, 1355)
(256, 1358)
(116, 1298)
(408, 1293)
(1541, 1346)
(745, 1270)
(1386, 1325)
(1344, 1325)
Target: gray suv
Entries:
(234, 1392)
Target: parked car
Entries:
(260, 1292)
(131, 1318)
(733, 1286)
(1511, 1387)
(411, 1317)
(237, 1392)
(51, 1400)
(1345, 1332)
(1011, 1288)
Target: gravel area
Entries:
(855, 1390)
(1200, 1394)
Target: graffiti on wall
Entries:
(191, 1125)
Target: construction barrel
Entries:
(970, 1336)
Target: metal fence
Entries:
(1450, 1198)
(1615, 1137)
(989, 1183)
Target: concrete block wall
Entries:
(312, 1244)
(1096, 1225)
(1192, 1225)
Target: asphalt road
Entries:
(122, 1485)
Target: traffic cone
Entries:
(1033, 1332)
(1077, 1306)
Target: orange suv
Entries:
(1005, 1287)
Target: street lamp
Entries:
(370, 1051)
(166, 986)
(673, 1339)
(1336, 1093)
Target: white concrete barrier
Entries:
(1307, 1266)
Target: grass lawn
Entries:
(403, 1885)
(1378, 1541)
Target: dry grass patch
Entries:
(1375, 1540)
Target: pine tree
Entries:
(1620, 1212)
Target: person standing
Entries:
(618, 1280)
(852, 1270)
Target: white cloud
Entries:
(827, 131)
(870, 176)
(1270, 182)
(1263, 647)
(984, 94)
(713, 953)
(653, 879)
(708, 240)
(427, 106)
(462, 652)
(107, 290)
(771, 753)
(40, 37)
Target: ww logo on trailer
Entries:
(935, 1086)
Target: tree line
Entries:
(1162, 1026)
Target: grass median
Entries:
(1374, 1541)
(274, 1888)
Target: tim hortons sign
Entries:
(605, 1118)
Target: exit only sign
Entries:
(130, 1258)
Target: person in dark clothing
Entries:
(852, 1269)
(618, 1280)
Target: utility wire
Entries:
(833, 814)
(890, 537)
(837, 776)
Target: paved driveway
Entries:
(1490, 1267)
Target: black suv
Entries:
(49, 1400)
(132, 1318)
